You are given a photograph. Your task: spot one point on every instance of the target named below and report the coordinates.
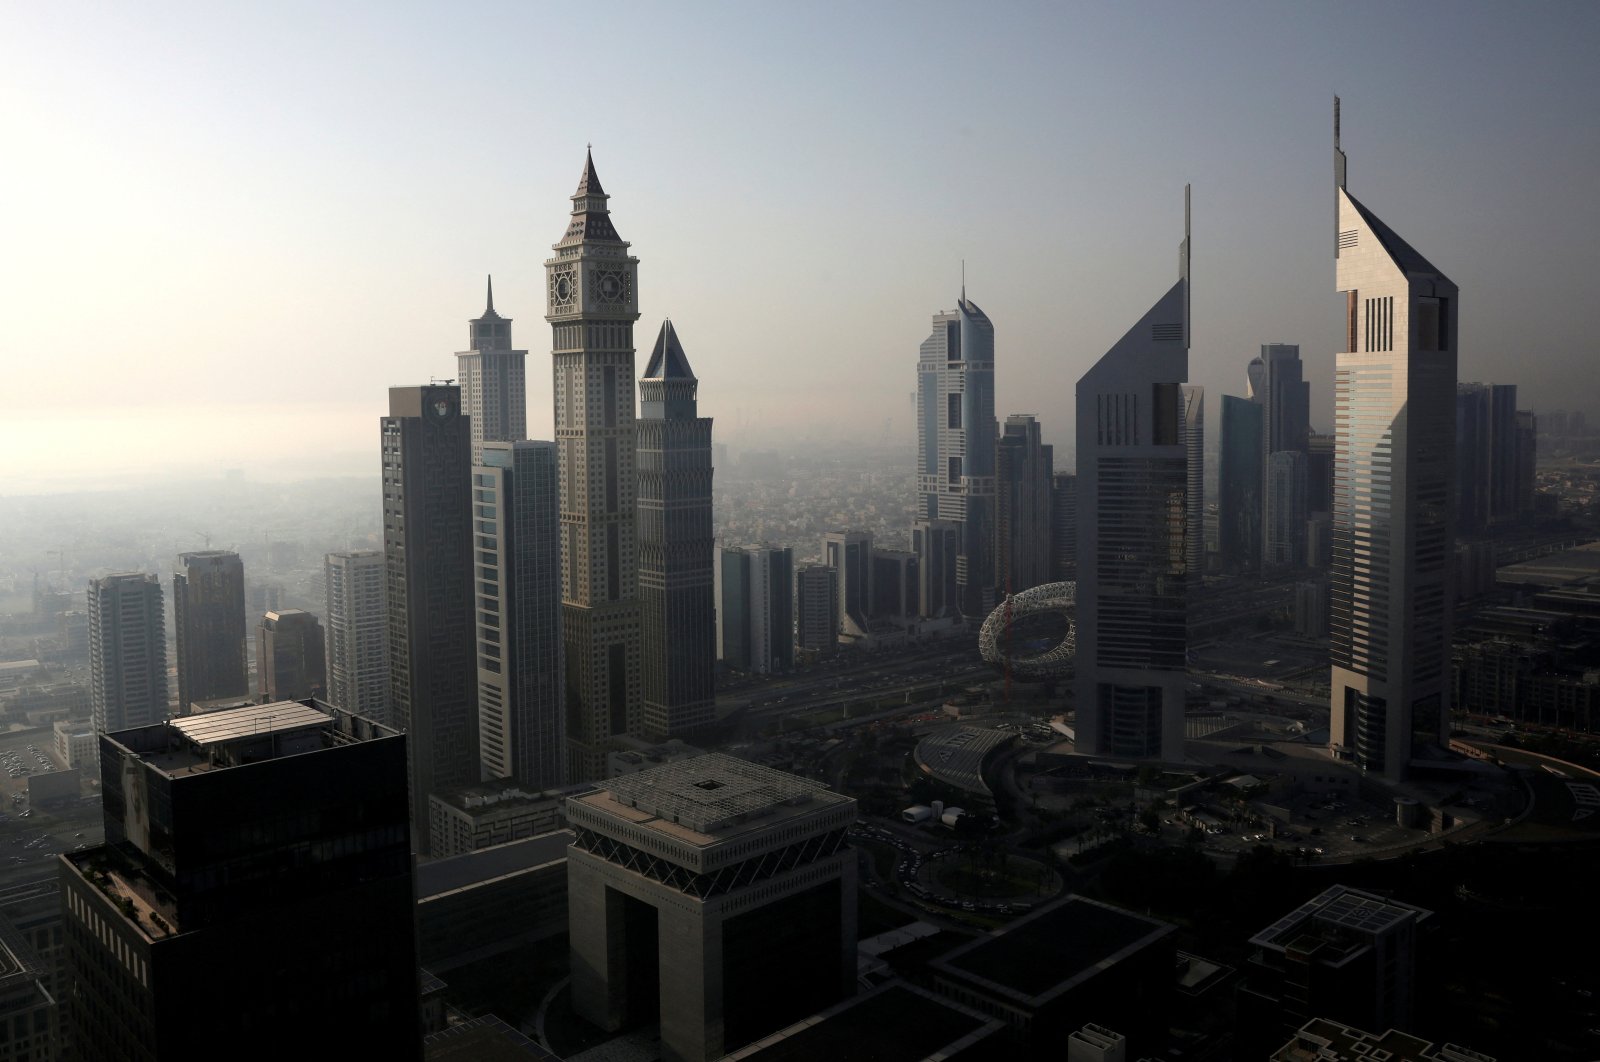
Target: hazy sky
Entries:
(228, 228)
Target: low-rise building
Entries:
(1321, 1040)
(473, 817)
(75, 744)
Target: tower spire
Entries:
(490, 311)
(963, 280)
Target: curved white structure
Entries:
(1053, 663)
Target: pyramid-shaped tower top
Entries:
(488, 313)
(591, 218)
(589, 183)
(667, 360)
(490, 331)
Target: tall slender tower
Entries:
(358, 634)
(1194, 449)
(1393, 522)
(956, 444)
(492, 379)
(1133, 504)
(677, 554)
(208, 612)
(1023, 470)
(127, 652)
(593, 302)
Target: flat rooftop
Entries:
(1321, 1040)
(197, 743)
(502, 860)
(896, 1023)
(1339, 908)
(1054, 947)
(711, 793)
(256, 720)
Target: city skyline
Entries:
(319, 250)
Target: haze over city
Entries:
(233, 228)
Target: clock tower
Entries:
(592, 303)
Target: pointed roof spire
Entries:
(963, 280)
(491, 296)
(667, 360)
(589, 183)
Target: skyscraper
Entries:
(1286, 512)
(1064, 526)
(127, 651)
(677, 555)
(816, 590)
(1285, 399)
(254, 889)
(1240, 479)
(1133, 494)
(1023, 467)
(937, 544)
(358, 633)
(208, 612)
(427, 546)
(291, 660)
(757, 613)
(491, 375)
(1390, 594)
(520, 665)
(1194, 453)
(956, 444)
(850, 554)
(593, 302)
(1487, 446)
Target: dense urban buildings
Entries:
(1390, 589)
(677, 555)
(491, 376)
(592, 304)
(691, 885)
(1240, 478)
(427, 541)
(816, 606)
(208, 614)
(1133, 494)
(290, 656)
(956, 445)
(256, 872)
(357, 618)
(757, 613)
(127, 652)
(1023, 470)
(521, 709)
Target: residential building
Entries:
(757, 615)
(76, 745)
(357, 655)
(677, 553)
(1393, 522)
(255, 870)
(208, 613)
(491, 376)
(1132, 575)
(592, 305)
(290, 656)
(816, 593)
(521, 692)
(127, 652)
(1240, 478)
(689, 884)
(1023, 470)
(427, 544)
(956, 446)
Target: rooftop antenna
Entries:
(1338, 175)
(963, 280)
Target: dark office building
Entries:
(427, 545)
(1023, 468)
(816, 607)
(894, 585)
(677, 580)
(253, 895)
(208, 611)
(1063, 527)
(291, 656)
(1239, 480)
(937, 544)
(757, 614)
(850, 554)
(1319, 474)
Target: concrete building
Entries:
(480, 816)
(850, 554)
(757, 614)
(1346, 954)
(1390, 593)
(677, 553)
(491, 901)
(956, 445)
(1285, 523)
(1194, 454)
(1321, 1040)
(1024, 466)
(290, 656)
(208, 614)
(816, 605)
(76, 745)
(521, 695)
(937, 544)
(593, 301)
(689, 884)
(239, 845)
(492, 380)
(127, 652)
(1240, 478)
(357, 654)
(1132, 576)
(427, 545)
(894, 1022)
(1063, 527)
(1096, 1043)
(28, 1011)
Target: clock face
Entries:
(611, 285)
(563, 287)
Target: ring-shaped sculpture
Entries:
(1053, 663)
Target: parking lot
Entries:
(31, 837)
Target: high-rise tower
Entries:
(208, 612)
(677, 554)
(291, 661)
(492, 379)
(1023, 469)
(1394, 461)
(1133, 503)
(592, 303)
(358, 634)
(127, 652)
(1194, 451)
(1285, 399)
(956, 444)
(427, 545)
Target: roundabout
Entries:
(997, 637)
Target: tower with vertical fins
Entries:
(592, 303)
(676, 547)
